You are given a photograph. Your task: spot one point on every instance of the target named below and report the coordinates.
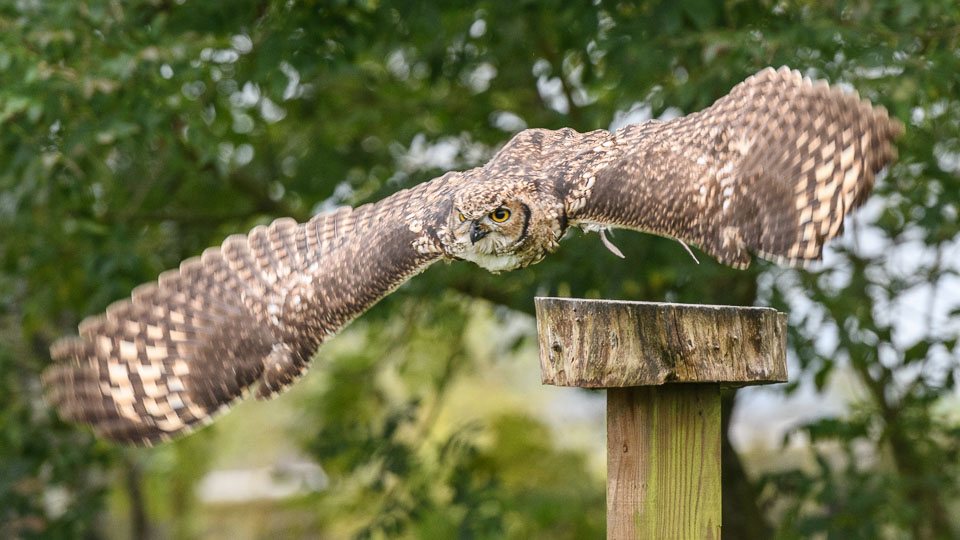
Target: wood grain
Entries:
(663, 462)
(610, 344)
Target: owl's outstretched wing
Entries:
(772, 168)
(255, 309)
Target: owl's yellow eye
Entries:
(462, 219)
(500, 215)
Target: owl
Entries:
(770, 169)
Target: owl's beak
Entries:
(476, 232)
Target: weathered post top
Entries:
(611, 343)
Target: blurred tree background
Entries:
(134, 134)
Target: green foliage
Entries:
(51, 475)
(135, 134)
(398, 469)
(904, 487)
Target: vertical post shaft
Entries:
(663, 462)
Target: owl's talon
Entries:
(686, 247)
(606, 242)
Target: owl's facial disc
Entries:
(490, 234)
(494, 221)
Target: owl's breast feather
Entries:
(493, 262)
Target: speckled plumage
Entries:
(771, 168)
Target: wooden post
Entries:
(663, 437)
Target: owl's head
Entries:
(490, 230)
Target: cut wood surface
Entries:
(610, 343)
